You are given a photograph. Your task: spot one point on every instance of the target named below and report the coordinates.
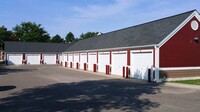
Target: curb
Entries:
(188, 86)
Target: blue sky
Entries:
(80, 16)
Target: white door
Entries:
(76, 59)
(92, 59)
(70, 59)
(140, 62)
(60, 57)
(14, 59)
(49, 58)
(33, 59)
(83, 59)
(64, 59)
(103, 60)
(119, 59)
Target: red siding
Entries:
(23, 57)
(97, 57)
(181, 50)
(128, 57)
(110, 57)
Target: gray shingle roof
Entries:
(14, 46)
(145, 34)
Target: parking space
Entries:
(57, 89)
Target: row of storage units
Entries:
(32, 59)
(126, 63)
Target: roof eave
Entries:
(112, 49)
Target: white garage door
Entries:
(33, 59)
(83, 59)
(119, 59)
(14, 59)
(140, 62)
(76, 59)
(103, 60)
(92, 59)
(70, 58)
(64, 58)
(60, 58)
(49, 58)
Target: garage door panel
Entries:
(92, 59)
(70, 58)
(140, 63)
(83, 59)
(49, 59)
(119, 59)
(76, 59)
(14, 59)
(33, 59)
(103, 60)
(60, 57)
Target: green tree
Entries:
(28, 31)
(70, 37)
(57, 39)
(5, 35)
(89, 35)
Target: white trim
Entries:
(119, 52)
(83, 53)
(92, 53)
(180, 68)
(140, 51)
(194, 14)
(112, 49)
(103, 53)
(194, 25)
(157, 64)
(34, 52)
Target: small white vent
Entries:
(194, 25)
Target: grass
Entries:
(194, 82)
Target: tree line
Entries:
(32, 32)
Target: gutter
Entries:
(117, 48)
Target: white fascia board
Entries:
(34, 52)
(111, 49)
(138, 51)
(194, 14)
(180, 68)
(119, 51)
(92, 53)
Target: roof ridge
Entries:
(36, 42)
(147, 22)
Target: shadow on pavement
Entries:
(6, 88)
(6, 69)
(93, 96)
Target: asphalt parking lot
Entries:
(57, 89)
